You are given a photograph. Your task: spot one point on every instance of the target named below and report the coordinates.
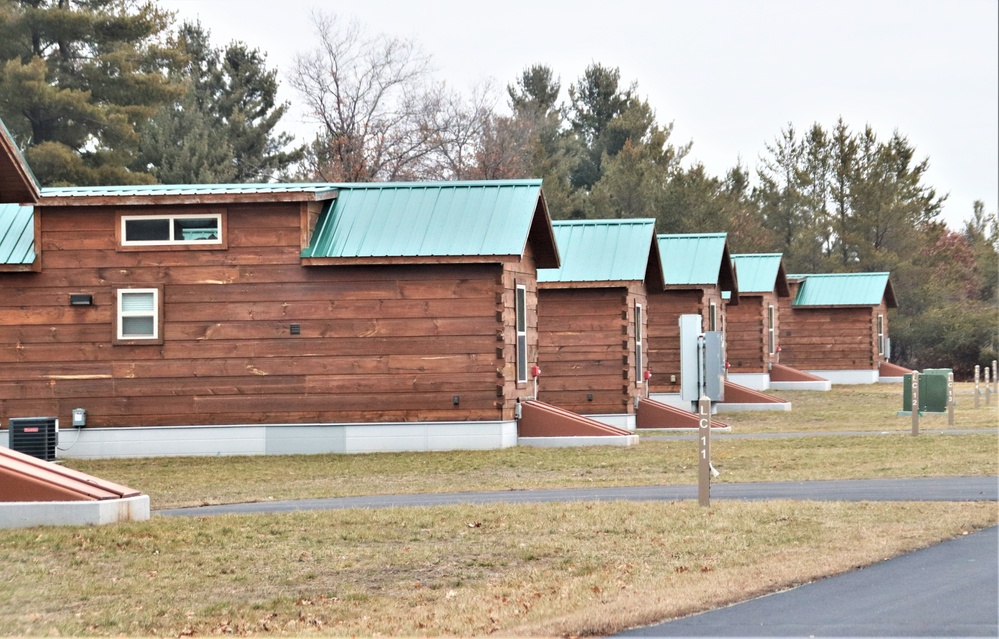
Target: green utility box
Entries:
(932, 391)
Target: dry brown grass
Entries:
(538, 569)
(192, 481)
(868, 407)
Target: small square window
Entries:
(138, 315)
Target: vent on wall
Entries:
(35, 436)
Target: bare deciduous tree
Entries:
(370, 97)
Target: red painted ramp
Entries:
(538, 419)
(781, 373)
(653, 414)
(26, 478)
(736, 394)
(888, 369)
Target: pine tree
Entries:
(77, 78)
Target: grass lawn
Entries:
(539, 569)
(867, 407)
(536, 569)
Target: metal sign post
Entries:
(704, 454)
(977, 391)
(988, 388)
(915, 402)
(950, 399)
(995, 375)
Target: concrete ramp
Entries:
(653, 414)
(739, 398)
(787, 378)
(37, 493)
(542, 424)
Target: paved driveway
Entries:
(922, 489)
(947, 590)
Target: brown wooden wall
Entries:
(665, 309)
(377, 343)
(587, 350)
(830, 338)
(747, 340)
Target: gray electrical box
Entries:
(702, 361)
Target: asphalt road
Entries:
(922, 489)
(947, 590)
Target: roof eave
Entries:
(24, 188)
(186, 199)
(541, 236)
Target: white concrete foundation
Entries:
(25, 514)
(848, 376)
(890, 380)
(284, 439)
(672, 399)
(568, 442)
(754, 381)
(623, 421)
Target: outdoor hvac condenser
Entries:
(35, 436)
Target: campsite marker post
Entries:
(988, 388)
(704, 454)
(915, 402)
(977, 391)
(950, 399)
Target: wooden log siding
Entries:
(747, 338)
(830, 338)
(377, 343)
(586, 344)
(664, 314)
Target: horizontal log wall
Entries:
(587, 348)
(747, 338)
(377, 343)
(830, 338)
(664, 313)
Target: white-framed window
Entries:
(639, 339)
(771, 328)
(197, 229)
(520, 304)
(138, 315)
(881, 334)
(713, 316)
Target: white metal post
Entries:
(915, 402)
(977, 390)
(704, 452)
(950, 399)
(988, 388)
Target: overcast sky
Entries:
(729, 74)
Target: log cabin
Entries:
(835, 325)
(753, 335)
(276, 318)
(697, 269)
(592, 320)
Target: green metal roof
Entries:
(17, 234)
(601, 250)
(844, 289)
(427, 219)
(693, 259)
(760, 273)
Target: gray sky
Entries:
(729, 74)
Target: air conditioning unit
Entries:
(35, 436)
